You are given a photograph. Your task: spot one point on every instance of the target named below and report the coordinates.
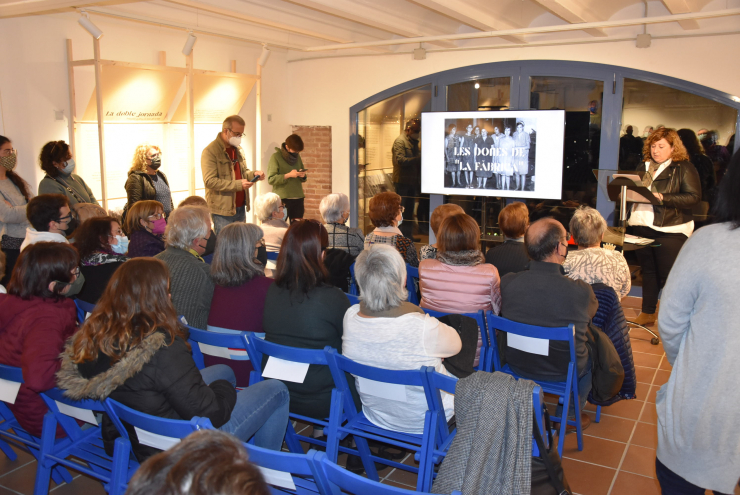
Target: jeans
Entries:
(673, 484)
(656, 263)
(220, 221)
(260, 411)
(584, 387)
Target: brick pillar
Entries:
(316, 156)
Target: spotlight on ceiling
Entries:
(91, 28)
(477, 85)
(188, 48)
(264, 56)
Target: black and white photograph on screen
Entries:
(490, 153)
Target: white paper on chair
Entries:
(390, 391)
(85, 415)
(153, 440)
(290, 371)
(278, 478)
(9, 391)
(87, 315)
(528, 344)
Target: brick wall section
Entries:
(316, 156)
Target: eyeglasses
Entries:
(403, 209)
(113, 235)
(281, 207)
(68, 216)
(156, 216)
(76, 272)
(236, 134)
(567, 236)
(156, 155)
(8, 152)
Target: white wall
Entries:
(327, 88)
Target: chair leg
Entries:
(290, 439)
(44, 466)
(563, 424)
(119, 471)
(332, 430)
(577, 407)
(367, 460)
(598, 414)
(426, 454)
(8, 451)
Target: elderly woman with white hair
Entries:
(334, 209)
(272, 213)
(191, 286)
(592, 263)
(386, 331)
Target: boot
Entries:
(645, 319)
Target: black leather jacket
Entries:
(680, 186)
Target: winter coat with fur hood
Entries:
(156, 377)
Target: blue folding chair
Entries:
(258, 348)
(353, 299)
(81, 445)
(362, 429)
(286, 472)
(480, 318)
(566, 390)
(11, 432)
(272, 255)
(353, 287)
(152, 431)
(84, 309)
(224, 345)
(412, 274)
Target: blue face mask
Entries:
(122, 246)
(69, 167)
(285, 214)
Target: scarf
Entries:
(101, 258)
(389, 230)
(288, 156)
(461, 258)
(649, 177)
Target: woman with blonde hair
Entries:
(145, 180)
(145, 224)
(675, 182)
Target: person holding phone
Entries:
(286, 175)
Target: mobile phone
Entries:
(303, 170)
(255, 178)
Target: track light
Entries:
(265, 55)
(188, 48)
(91, 28)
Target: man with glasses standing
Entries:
(225, 175)
(544, 296)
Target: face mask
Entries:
(210, 244)
(122, 245)
(399, 222)
(592, 109)
(285, 214)
(69, 167)
(158, 226)
(156, 163)
(415, 135)
(262, 255)
(235, 141)
(71, 226)
(9, 162)
(75, 287)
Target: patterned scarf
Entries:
(461, 258)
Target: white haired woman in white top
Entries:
(334, 209)
(388, 332)
(592, 263)
(273, 215)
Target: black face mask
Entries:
(210, 244)
(71, 226)
(262, 255)
(156, 163)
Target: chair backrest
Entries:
(354, 289)
(84, 409)
(480, 318)
(285, 363)
(435, 382)
(84, 309)
(527, 338)
(160, 433)
(11, 379)
(412, 274)
(272, 255)
(232, 346)
(353, 299)
(292, 473)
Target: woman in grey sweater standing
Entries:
(699, 407)
(14, 196)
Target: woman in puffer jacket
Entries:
(459, 280)
(133, 349)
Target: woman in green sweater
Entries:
(286, 175)
(57, 161)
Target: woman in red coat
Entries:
(35, 321)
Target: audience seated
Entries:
(459, 280)
(387, 331)
(334, 209)
(99, 241)
(511, 256)
(544, 296)
(303, 310)
(271, 212)
(191, 286)
(699, 407)
(146, 223)
(386, 213)
(206, 462)
(35, 320)
(592, 263)
(441, 212)
(50, 219)
(133, 350)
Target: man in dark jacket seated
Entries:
(544, 296)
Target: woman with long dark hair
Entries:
(133, 349)
(102, 249)
(14, 196)
(36, 318)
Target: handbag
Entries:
(548, 477)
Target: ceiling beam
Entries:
(570, 12)
(470, 16)
(22, 8)
(681, 7)
(364, 17)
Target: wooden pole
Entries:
(233, 66)
(162, 58)
(257, 130)
(72, 100)
(101, 137)
(191, 122)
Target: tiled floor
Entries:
(618, 454)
